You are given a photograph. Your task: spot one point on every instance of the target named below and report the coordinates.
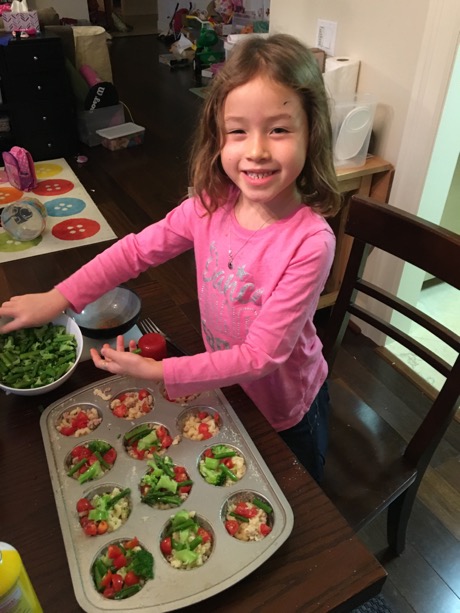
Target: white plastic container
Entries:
(122, 136)
(352, 121)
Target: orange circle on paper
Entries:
(9, 194)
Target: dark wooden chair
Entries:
(370, 468)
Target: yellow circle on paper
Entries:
(45, 170)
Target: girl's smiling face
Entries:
(265, 145)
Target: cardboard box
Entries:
(21, 21)
(91, 121)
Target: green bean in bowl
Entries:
(37, 360)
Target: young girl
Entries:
(264, 180)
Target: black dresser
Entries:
(37, 97)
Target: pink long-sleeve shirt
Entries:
(257, 318)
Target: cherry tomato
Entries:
(102, 527)
(120, 410)
(67, 430)
(228, 462)
(107, 579)
(80, 421)
(109, 592)
(180, 477)
(152, 345)
(216, 418)
(161, 432)
(185, 489)
(166, 546)
(90, 528)
(131, 578)
(80, 452)
(204, 534)
(84, 521)
(113, 551)
(134, 542)
(143, 394)
(84, 505)
(120, 561)
(202, 414)
(166, 442)
(203, 428)
(117, 582)
(245, 511)
(208, 453)
(264, 529)
(92, 459)
(206, 436)
(140, 453)
(110, 456)
(231, 525)
(179, 469)
(146, 408)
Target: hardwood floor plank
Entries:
(441, 497)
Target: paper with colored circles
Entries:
(72, 219)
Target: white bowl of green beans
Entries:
(35, 361)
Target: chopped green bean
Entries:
(34, 357)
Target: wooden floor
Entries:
(137, 186)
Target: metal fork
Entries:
(148, 325)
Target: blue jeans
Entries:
(308, 439)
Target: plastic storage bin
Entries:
(352, 120)
(122, 136)
(91, 121)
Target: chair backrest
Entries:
(428, 247)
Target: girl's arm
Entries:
(124, 260)
(130, 256)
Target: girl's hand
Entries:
(120, 362)
(32, 310)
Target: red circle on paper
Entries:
(51, 187)
(75, 229)
(9, 194)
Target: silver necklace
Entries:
(231, 255)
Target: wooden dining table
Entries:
(322, 566)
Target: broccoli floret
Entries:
(166, 483)
(211, 476)
(147, 441)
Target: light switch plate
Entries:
(325, 36)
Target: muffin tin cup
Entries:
(231, 560)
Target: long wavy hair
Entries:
(287, 61)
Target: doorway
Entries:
(440, 203)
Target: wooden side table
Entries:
(373, 179)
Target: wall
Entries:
(408, 54)
(75, 9)
(384, 36)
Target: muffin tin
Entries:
(230, 561)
